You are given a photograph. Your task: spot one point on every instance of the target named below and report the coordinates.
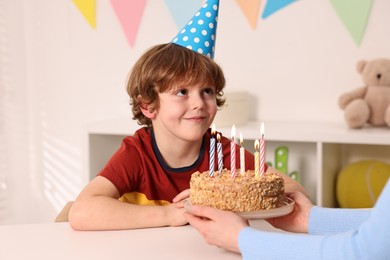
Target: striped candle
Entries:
(262, 150)
(219, 153)
(242, 156)
(212, 151)
(257, 160)
(233, 153)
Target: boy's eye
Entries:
(208, 91)
(181, 92)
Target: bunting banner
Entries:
(250, 8)
(182, 11)
(354, 15)
(88, 10)
(273, 6)
(129, 14)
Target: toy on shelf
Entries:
(281, 158)
(360, 184)
(370, 103)
(281, 163)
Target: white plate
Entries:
(270, 213)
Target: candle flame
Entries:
(233, 132)
(257, 144)
(213, 129)
(218, 137)
(262, 130)
(241, 139)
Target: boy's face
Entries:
(185, 112)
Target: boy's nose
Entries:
(197, 101)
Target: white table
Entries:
(59, 241)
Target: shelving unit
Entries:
(318, 151)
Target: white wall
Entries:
(14, 133)
(295, 64)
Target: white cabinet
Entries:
(318, 151)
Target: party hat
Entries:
(199, 33)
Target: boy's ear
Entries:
(147, 110)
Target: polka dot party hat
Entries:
(200, 31)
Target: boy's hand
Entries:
(175, 215)
(179, 199)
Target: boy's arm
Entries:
(290, 184)
(97, 208)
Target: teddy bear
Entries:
(369, 104)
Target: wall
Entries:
(15, 184)
(294, 65)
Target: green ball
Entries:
(360, 184)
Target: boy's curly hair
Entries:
(164, 67)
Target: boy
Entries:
(175, 91)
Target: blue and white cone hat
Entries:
(199, 34)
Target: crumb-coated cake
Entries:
(240, 194)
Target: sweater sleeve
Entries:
(329, 220)
(370, 240)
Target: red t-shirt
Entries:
(138, 171)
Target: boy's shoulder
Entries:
(143, 132)
(140, 136)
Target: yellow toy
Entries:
(360, 184)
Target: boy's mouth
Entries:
(195, 118)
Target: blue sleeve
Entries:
(329, 220)
(370, 240)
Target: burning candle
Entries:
(233, 152)
(219, 152)
(262, 149)
(257, 160)
(212, 151)
(242, 156)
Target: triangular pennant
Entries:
(129, 13)
(354, 15)
(250, 8)
(182, 11)
(273, 6)
(88, 10)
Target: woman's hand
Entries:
(218, 227)
(297, 221)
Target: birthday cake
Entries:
(241, 193)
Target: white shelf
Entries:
(118, 126)
(315, 132)
(317, 150)
(275, 131)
